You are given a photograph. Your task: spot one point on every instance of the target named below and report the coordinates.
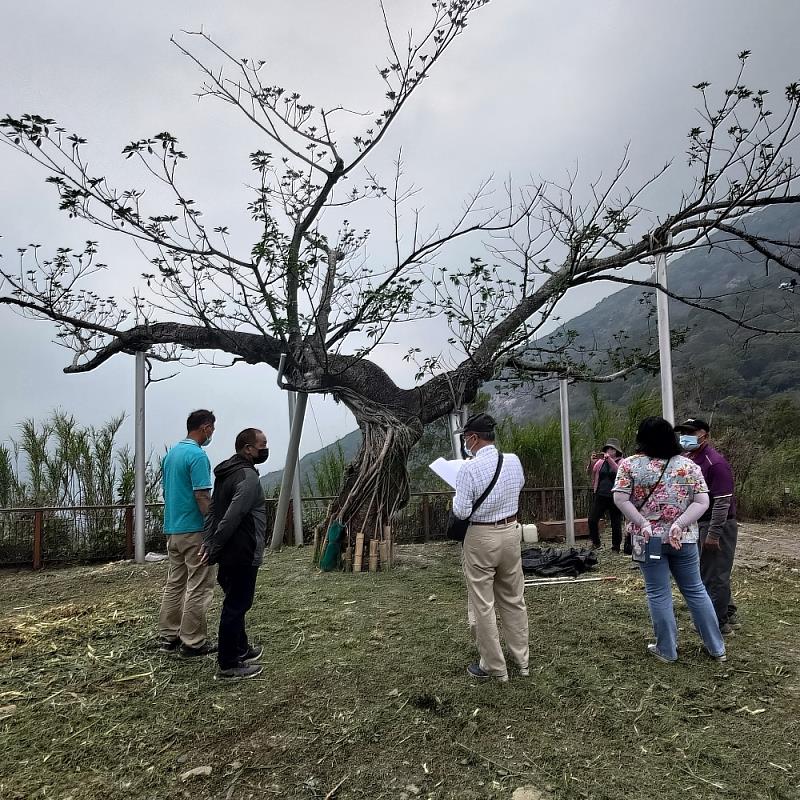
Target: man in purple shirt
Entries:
(718, 529)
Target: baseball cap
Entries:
(479, 423)
(693, 424)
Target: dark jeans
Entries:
(239, 585)
(716, 567)
(600, 505)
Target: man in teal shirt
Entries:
(189, 589)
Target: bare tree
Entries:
(307, 289)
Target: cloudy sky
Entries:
(531, 89)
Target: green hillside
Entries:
(718, 364)
(349, 444)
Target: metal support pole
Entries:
(139, 461)
(566, 461)
(289, 471)
(454, 424)
(297, 502)
(456, 420)
(664, 344)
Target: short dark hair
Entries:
(246, 437)
(198, 418)
(656, 438)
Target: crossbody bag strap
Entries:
(654, 486)
(489, 488)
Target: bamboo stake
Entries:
(373, 555)
(358, 556)
(384, 555)
(317, 554)
(348, 559)
(387, 537)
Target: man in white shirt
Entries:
(492, 555)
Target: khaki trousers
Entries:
(188, 591)
(493, 570)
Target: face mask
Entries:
(263, 455)
(207, 442)
(465, 451)
(688, 442)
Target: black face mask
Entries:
(262, 456)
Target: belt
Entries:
(506, 521)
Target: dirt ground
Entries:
(761, 540)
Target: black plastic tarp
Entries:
(549, 562)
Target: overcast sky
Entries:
(531, 89)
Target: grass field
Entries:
(365, 694)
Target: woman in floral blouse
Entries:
(663, 494)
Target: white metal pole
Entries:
(289, 471)
(297, 507)
(454, 423)
(139, 461)
(566, 462)
(664, 344)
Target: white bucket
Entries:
(530, 533)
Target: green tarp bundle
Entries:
(333, 547)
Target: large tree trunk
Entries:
(376, 486)
(391, 420)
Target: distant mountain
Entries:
(349, 444)
(718, 361)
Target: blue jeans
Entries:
(684, 564)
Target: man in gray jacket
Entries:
(233, 537)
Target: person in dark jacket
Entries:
(234, 534)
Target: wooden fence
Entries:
(68, 534)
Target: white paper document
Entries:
(447, 470)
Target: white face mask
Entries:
(688, 442)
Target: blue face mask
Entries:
(207, 442)
(688, 442)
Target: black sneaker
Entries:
(239, 672)
(726, 629)
(253, 653)
(167, 645)
(205, 649)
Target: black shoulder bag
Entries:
(457, 528)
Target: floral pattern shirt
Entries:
(674, 493)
